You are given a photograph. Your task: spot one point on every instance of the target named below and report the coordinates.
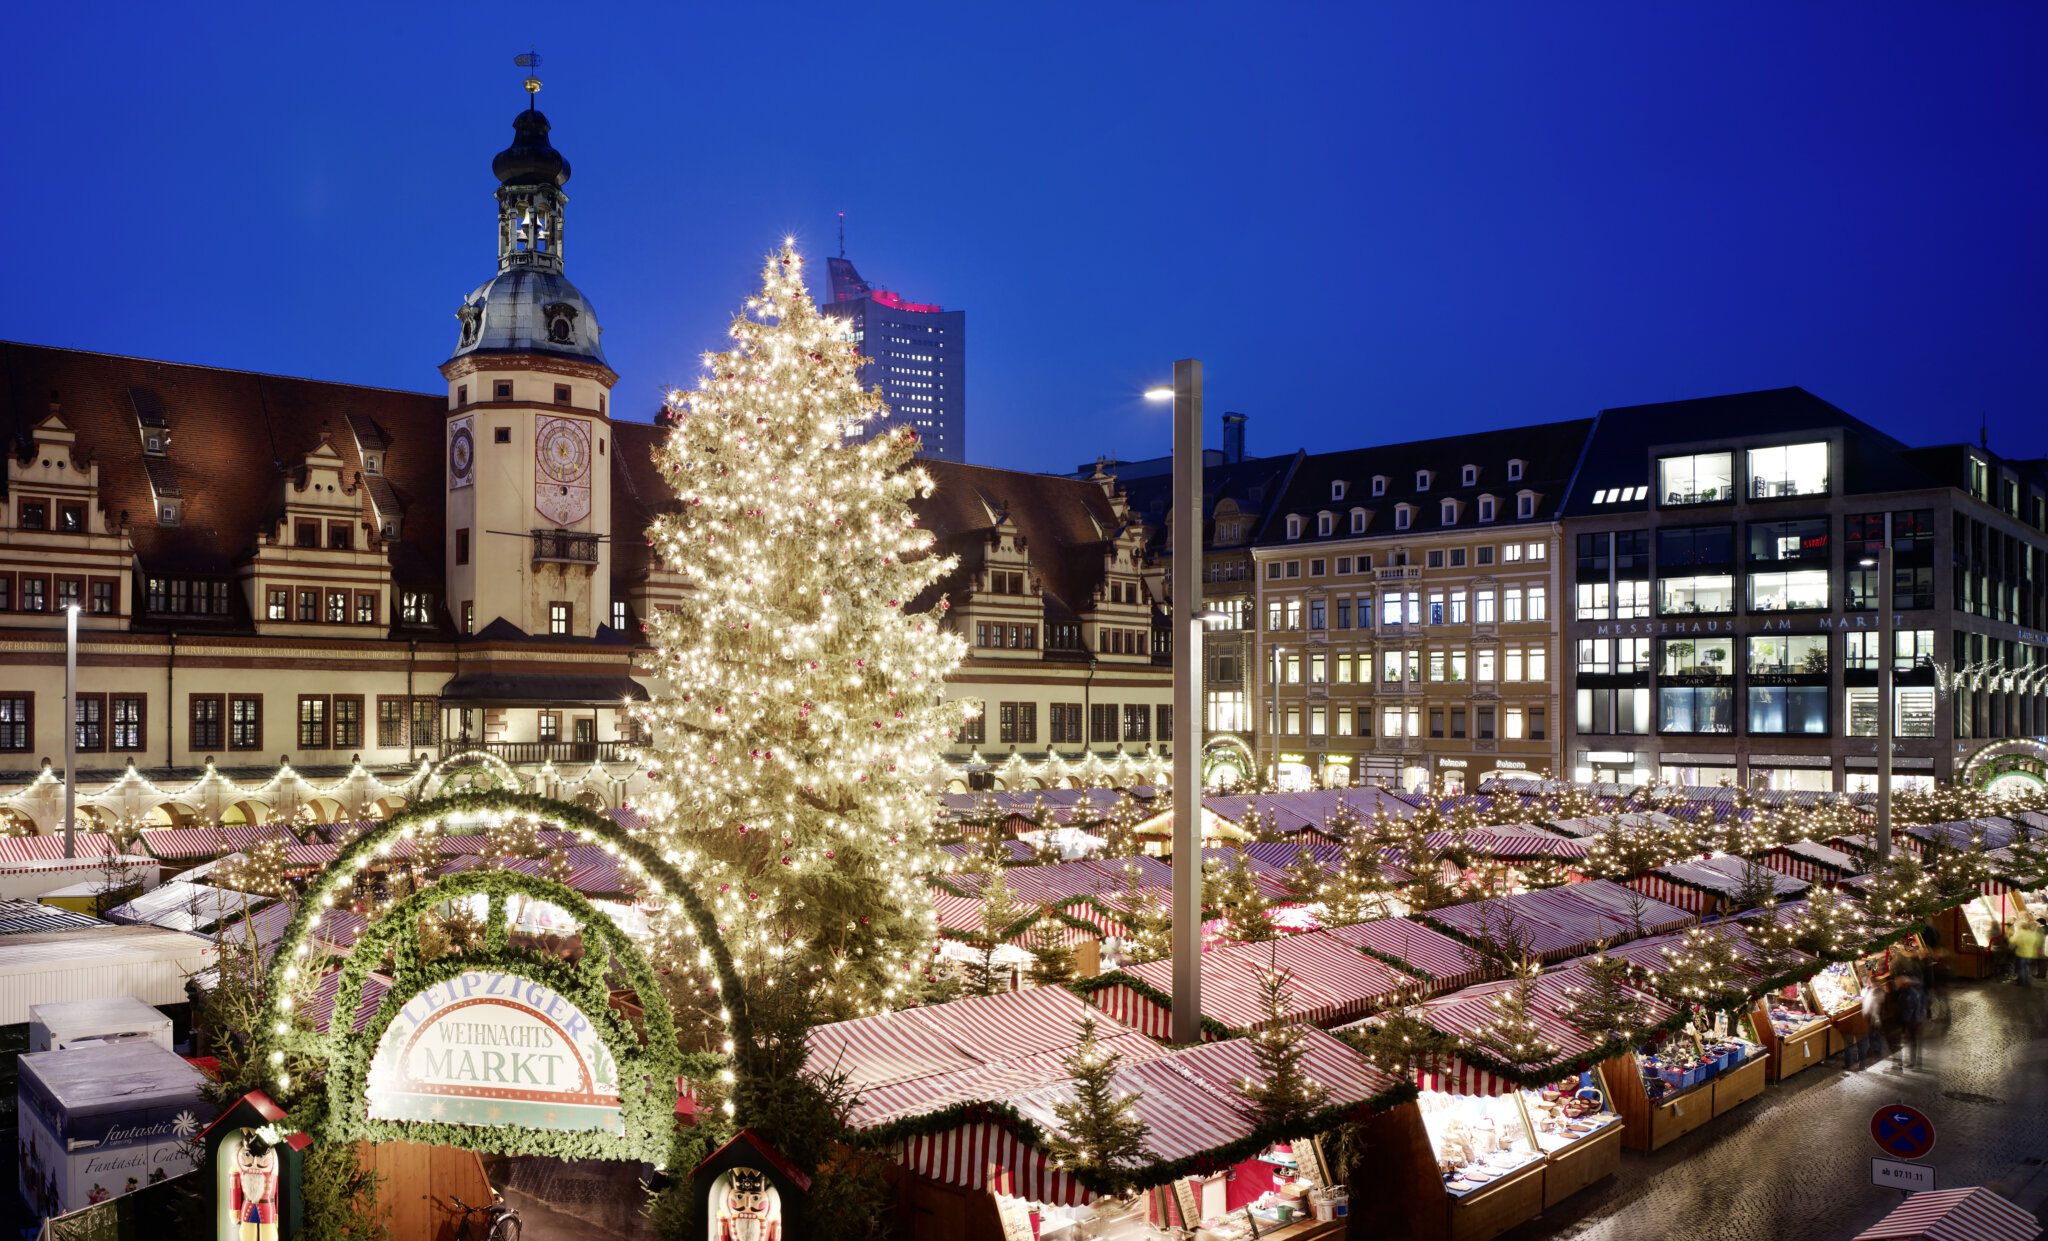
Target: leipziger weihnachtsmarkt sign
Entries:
(486, 1048)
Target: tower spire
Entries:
(842, 234)
(529, 60)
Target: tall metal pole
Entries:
(71, 731)
(1187, 697)
(1884, 699)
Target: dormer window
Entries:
(369, 465)
(1358, 521)
(1486, 508)
(1336, 490)
(1515, 470)
(1401, 515)
(1450, 512)
(153, 443)
(1326, 524)
(167, 513)
(1525, 504)
(1379, 484)
(1293, 526)
(1470, 477)
(1422, 480)
(390, 528)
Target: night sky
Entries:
(1370, 227)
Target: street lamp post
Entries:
(1881, 558)
(1185, 604)
(70, 731)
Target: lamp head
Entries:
(1159, 392)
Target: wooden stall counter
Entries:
(1487, 1212)
(1740, 1084)
(1585, 1161)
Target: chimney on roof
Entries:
(1233, 438)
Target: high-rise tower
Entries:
(528, 472)
(918, 358)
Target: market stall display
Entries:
(102, 1120)
(1793, 1028)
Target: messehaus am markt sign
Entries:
(487, 1048)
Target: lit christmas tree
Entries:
(1100, 1136)
(1305, 875)
(1514, 1036)
(1232, 890)
(800, 701)
(1357, 888)
(1147, 918)
(1001, 911)
(1829, 926)
(1281, 1093)
(1120, 829)
(1052, 957)
(1607, 1007)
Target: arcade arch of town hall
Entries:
(506, 1049)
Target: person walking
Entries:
(2027, 940)
(1909, 1013)
(1866, 1051)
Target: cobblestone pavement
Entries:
(1795, 1162)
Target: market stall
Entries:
(1442, 963)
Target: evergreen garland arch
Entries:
(648, 1109)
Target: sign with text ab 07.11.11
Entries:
(486, 1048)
(1910, 1177)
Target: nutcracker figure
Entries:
(749, 1211)
(254, 1189)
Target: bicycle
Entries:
(500, 1222)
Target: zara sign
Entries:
(487, 1048)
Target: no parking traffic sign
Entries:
(1902, 1132)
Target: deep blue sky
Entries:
(1371, 224)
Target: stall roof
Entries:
(1423, 950)
(183, 844)
(181, 906)
(925, 1059)
(1974, 1214)
(146, 962)
(1190, 1097)
(29, 918)
(51, 848)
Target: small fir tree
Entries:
(1512, 1035)
(1052, 957)
(1232, 889)
(1827, 928)
(1342, 820)
(1280, 1095)
(1305, 875)
(1357, 888)
(1100, 1137)
(1773, 941)
(1755, 887)
(1148, 919)
(1397, 1040)
(1120, 829)
(1608, 1006)
(1000, 913)
(1899, 892)
(1703, 970)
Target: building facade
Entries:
(1406, 617)
(302, 596)
(1238, 495)
(1068, 652)
(917, 356)
(1723, 627)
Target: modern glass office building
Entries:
(1721, 626)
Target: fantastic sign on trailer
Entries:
(494, 1049)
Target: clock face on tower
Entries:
(461, 455)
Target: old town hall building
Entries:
(295, 595)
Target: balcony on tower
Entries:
(564, 547)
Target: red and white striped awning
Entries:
(1658, 888)
(987, 1156)
(180, 844)
(1419, 947)
(1974, 1214)
(51, 848)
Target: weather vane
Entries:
(529, 61)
